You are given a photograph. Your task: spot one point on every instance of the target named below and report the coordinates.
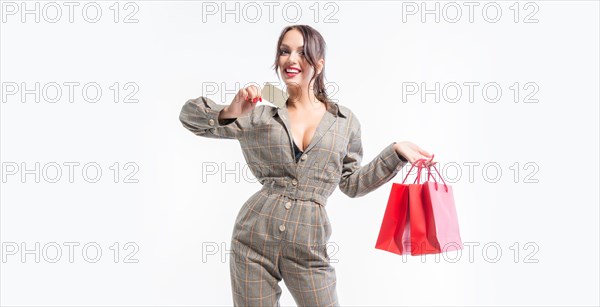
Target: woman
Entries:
(299, 153)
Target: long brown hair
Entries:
(314, 49)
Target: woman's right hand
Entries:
(244, 101)
(413, 153)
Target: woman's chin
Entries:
(289, 82)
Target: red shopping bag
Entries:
(420, 218)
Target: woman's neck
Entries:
(304, 105)
(297, 101)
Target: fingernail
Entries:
(260, 99)
(254, 99)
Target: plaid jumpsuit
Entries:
(282, 230)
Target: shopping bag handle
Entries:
(420, 165)
(411, 167)
(436, 170)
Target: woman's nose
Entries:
(293, 59)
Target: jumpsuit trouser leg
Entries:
(278, 238)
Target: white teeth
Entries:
(292, 70)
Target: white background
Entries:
(172, 210)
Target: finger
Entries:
(251, 93)
(243, 94)
(426, 160)
(424, 152)
(429, 158)
(415, 160)
(430, 163)
(427, 163)
(258, 92)
(255, 93)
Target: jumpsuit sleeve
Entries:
(201, 117)
(357, 180)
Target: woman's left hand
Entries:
(412, 152)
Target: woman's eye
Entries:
(286, 52)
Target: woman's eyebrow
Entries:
(284, 45)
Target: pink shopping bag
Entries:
(420, 218)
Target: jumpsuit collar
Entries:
(329, 118)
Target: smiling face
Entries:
(293, 65)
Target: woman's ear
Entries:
(320, 65)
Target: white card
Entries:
(274, 95)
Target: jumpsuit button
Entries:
(282, 227)
(294, 181)
(303, 157)
(211, 122)
(288, 205)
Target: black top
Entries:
(297, 152)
